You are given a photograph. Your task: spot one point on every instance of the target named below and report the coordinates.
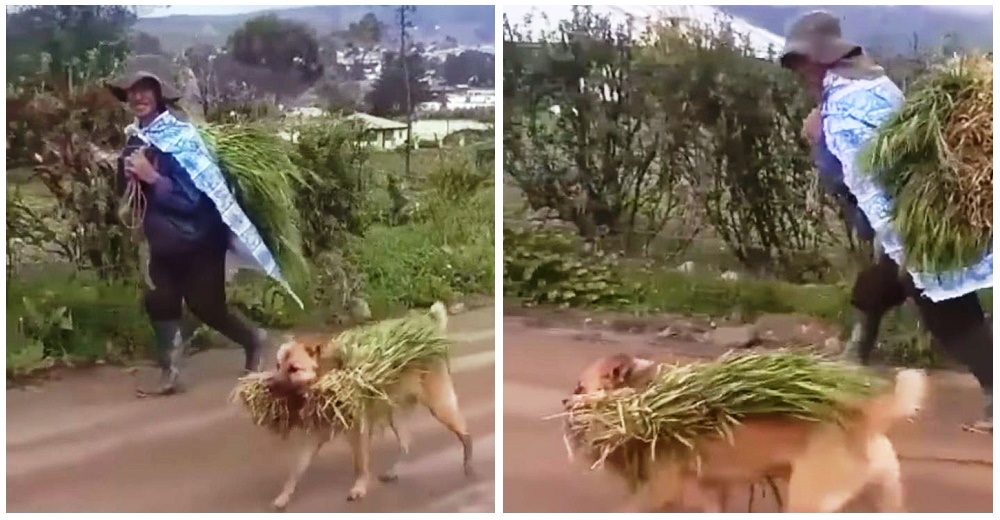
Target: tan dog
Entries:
(826, 465)
(303, 359)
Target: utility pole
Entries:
(404, 24)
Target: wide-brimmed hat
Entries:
(146, 67)
(816, 36)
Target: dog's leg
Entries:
(662, 492)
(827, 475)
(360, 439)
(440, 399)
(403, 440)
(710, 498)
(886, 477)
(305, 460)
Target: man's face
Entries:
(811, 72)
(142, 98)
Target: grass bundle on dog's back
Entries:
(934, 158)
(374, 358)
(687, 403)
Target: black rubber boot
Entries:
(974, 349)
(170, 353)
(987, 422)
(254, 352)
(864, 338)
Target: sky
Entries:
(196, 9)
(211, 9)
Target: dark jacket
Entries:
(179, 217)
(831, 176)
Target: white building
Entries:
(381, 133)
(438, 129)
(471, 98)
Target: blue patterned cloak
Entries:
(181, 139)
(852, 111)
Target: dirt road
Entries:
(944, 468)
(86, 444)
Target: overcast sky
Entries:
(212, 9)
(237, 9)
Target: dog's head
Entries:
(615, 372)
(298, 365)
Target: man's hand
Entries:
(812, 126)
(139, 167)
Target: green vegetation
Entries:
(367, 233)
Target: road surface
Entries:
(944, 468)
(86, 444)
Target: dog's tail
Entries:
(440, 314)
(905, 400)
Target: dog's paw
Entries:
(280, 503)
(356, 493)
(389, 476)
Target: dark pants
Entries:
(198, 279)
(958, 325)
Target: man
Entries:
(855, 96)
(191, 223)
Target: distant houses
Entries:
(459, 97)
(380, 132)
(386, 134)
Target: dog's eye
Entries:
(293, 369)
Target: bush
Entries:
(333, 204)
(455, 180)
(264, 302)
(446, 251)
(544, 266)
(73, 317)
(688, 293)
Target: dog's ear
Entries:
(280, 355)
(314, 350)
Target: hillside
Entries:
(545, 19)
(469, 24)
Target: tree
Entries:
(365, 33)
(359, 40)
(141, 42)
(404, 25)
(579, 139)
(473, 68)
(387, 98)
(625, 134)
(58, 37)
(281, 46)
(339, 95)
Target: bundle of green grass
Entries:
(687, 403)
(256, 162)
(934, 158)
(373, 360)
